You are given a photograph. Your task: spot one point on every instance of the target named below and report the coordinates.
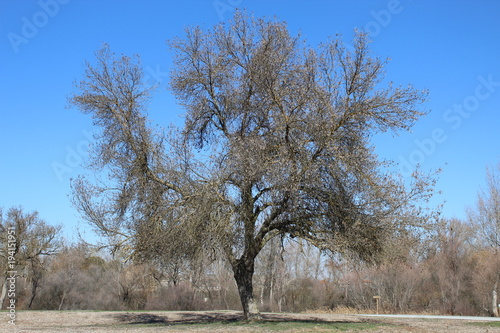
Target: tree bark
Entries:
(34, 290)
(4, 293)
(267, 287)
(494, 302)
(62, 300)
(243, 274)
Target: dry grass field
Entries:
(226, 321)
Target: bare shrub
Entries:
(175, 298)
(78, 281)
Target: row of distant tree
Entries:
(454, 269)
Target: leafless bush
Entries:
(180, 297)
(78, 281)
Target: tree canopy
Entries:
(276, 143)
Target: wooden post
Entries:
(376, 298)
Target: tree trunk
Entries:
(34, 290)
(4, 293)
(243, 274)
(494, 302)
(267, 287)
(62, 300)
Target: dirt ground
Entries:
(221, 321)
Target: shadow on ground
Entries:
(190, 318)
(177, 318)
(182, 318)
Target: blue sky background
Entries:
(450, 47)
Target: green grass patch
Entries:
(486, 324)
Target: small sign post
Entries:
(376, 298)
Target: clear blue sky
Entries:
(450, 47)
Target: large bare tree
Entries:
(276, 142)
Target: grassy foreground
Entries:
(231, 322)
(266, 326)
(227, 321)
(487, 324)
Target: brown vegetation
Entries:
(451, 274)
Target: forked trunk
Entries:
(243, 274)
